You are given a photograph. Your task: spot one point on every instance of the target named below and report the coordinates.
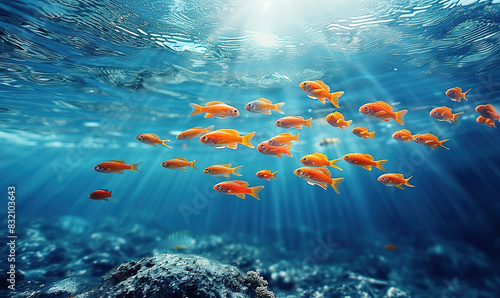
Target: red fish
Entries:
(394, 179)
(266, 174)
(100, 195)
(444, 114)
(229, 138)
(336, 119)
(382, 111)
(390, 247)
(488, 111)
(318, 176)
(430, 140)
(402, 135)
(365, 161)
(217, 109)
(238, 188)
(320, 91)
(178, 164)
(362, 132)
(293, 122)
(116, 166)
(222, 170)
(194, 132)
(456, 94)
(278, 151)
(262, 105)
(283, 139)
(318, 160)
(152, 139)
(485, 121)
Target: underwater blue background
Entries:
(79, 80)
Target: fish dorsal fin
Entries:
(406, 131)
(367, 156)
(264, 100)
(211, 103)
(324, 170)
(241, 182)
(322, 84)
(384, 104)
(118, 161)
(197, 127)
(320, 155)
(399, 175)
(154, 135)
(285, 134)
(226, 165)
(183, 159)
(103, 189)
(229, 131)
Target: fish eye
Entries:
(366, 108)
(278, 122)
(347, 156)
(355, 130)
(435, 113)
(305, 159)
(262, 146)
(249, 104)
(417, 138)
(236, 111)
(383, 178)
(96, 168)
(205, 138)
(141, 137)
(305, 84)
(218, 187)
(299, 171)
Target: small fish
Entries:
(293, 122)
(180, 240)
(336, 119)
(222, 170)
(365, 161)
(116, 166)
(390, 247)
(320, 91)
(382, 111)
(318, 176)
(488, 111)
(266, 174)
(194, 132)
(430, 140)
(152, 139)
(283, 139)
(238, 188)
(229, 138)
(485, 121)
(100, 195)
(444, 114)
(318, 160)
(362, 132)
(394, 179)
(267, 149)
(178, 164)
(262, 105)
(402, 135)
(217, 109)
(456, 94)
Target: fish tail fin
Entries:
(210, 128)
(245, 140)
(235, 171)
(454, 117)
(333, 165)
(463, 95)
(192, 164)
(347, 123)
(277, 107)
(196, 109)
(336, 182)
(296, 137)
(254, 191)
(164, 143)
(308, 122)
(441, 143)
(371, 135)
(288, 151)
(493, 123)
(399, 117)
(135, 167)
(406, 182)
(380, 164)
(274, 175)
(334, 98)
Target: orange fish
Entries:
(382, 111)
(178, 164)
(390, 247)
(320, 91)
(485, 121)
(402, 135)
(266, 174)
(336, 119)
(229, 138)
(293, 122)
(318, 160)
(262, 105)
(394, 179)
(456, 94)
(364, 160)
(217, 109)
(283, 139)
(444, 114)
(100, 195)
(194, 132)
(222, 170)
(362, 132)
(238, 188)
(116, 166)
(267, 149)
(488, 111)
(318, 176)
(430, 140)
(152, 139)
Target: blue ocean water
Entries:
(81, 79)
